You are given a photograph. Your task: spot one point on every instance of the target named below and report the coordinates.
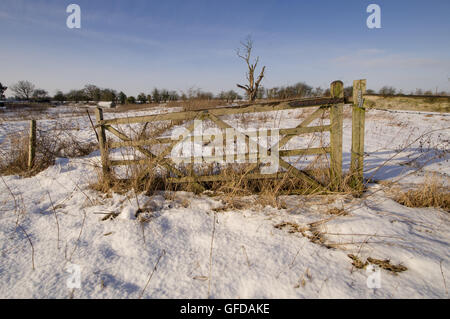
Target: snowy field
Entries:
(299, 251)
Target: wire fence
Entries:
(410, 112)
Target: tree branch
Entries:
(244, 87)
(261, 75)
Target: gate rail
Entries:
(335, 104)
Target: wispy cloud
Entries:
(121, 39)
(4, 15)
(371, 51)
(373, 58)
(134, 45)
(98, 36)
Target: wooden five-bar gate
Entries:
(334, 104)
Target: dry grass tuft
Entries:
(357, 263)
(14, 158)
(58, 141)
(386, 265)
(337, 211)
(429, 104)
(382, 263)
(235, 185)
(431, 193)
(291, 227)
(145, 177)
(310, 231)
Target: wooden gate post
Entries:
(336, 121)
(102, 143)
(32, 144)
(358, 126)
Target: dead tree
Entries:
(251, 88)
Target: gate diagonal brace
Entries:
(163, 161)
(293, 170)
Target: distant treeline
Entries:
(26, 91)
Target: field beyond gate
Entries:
(231, 147)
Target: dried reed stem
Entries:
(151, 274)
(210, 255)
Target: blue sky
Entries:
(137, 45)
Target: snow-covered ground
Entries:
(299, 251)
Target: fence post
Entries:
(336, 121)
(102, 143)
(358, 126)
(32, 144)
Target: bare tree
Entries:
(122, 98)
(23, 89)
(142, 98)
(251, 88)
(92, 92)
(40, 95)
(387, 90)
(2, 90)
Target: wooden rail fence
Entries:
(334, 104)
